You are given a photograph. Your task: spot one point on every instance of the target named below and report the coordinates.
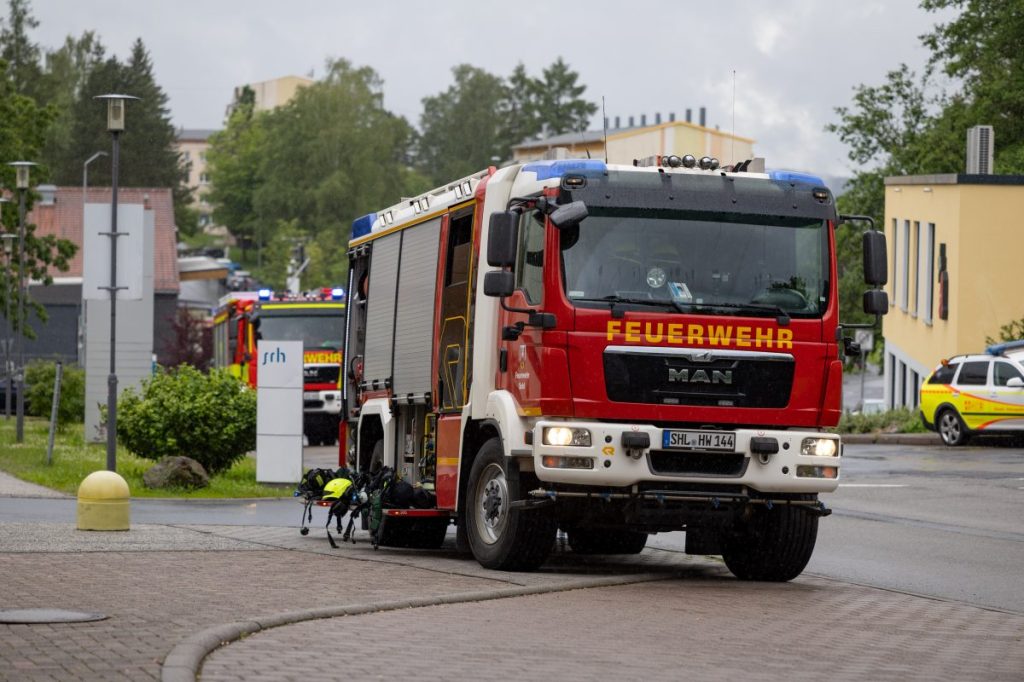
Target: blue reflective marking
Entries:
(361, 226)
(556, 169)
(796, 177)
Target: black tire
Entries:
(951, 427)
(501, 537)
(774, 545)
(596, 541)
(413, 533)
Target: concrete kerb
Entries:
(183, 662)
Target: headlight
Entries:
(563, 436)
(819, 447)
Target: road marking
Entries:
(872, 485)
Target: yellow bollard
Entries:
(103, 502)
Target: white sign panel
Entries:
(279, 411)
(96, 252)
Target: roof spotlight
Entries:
(689, 161)
(673, 161)
(705, 163)
(714, 164)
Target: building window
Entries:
(902, 374)
(914, 386)
(204, 178)
(894, 240)
(892, 381)
(905, 292)
(204, 219)
(202, 156)
(929, 271)
(917, 267)
(186, 157)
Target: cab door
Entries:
(1008, 400)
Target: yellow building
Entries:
(628, 143)
(955, 249)
(277, 92)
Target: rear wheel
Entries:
(951, 427)
(500, 536)
(596, 541)
(773, 545)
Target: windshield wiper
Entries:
(782, 317)
(614, 299)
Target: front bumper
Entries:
(747, 464)
(324, 402)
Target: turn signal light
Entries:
(805, 471)
(555, 462)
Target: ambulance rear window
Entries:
(944, 375)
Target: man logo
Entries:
(700, 376)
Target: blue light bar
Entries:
(362, 226)
(796, 177)
(1000, 348)
(556, 169)
(264, 294)
(337, 293)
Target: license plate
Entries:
(699, 440)
(311, 395)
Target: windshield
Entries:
(315, 330)
(779, 267)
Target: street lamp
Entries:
(115, 124)
(8, 239)
(85, 177)
(22, 168)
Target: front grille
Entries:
(677, 379)
(321, 374)
(676, 463)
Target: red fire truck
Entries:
(609, 350)
(317, 319)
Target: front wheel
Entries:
(502, 537)
(951, 428)
(772, 545)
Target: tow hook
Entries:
(635, 442)
(764, 448)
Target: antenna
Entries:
(732, 153)
(605, 117)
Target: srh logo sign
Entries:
(272, 357)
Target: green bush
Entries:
(900, 420)
(39, 376)
(208, 417)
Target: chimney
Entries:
(671, 117)
(643, 119)
(657, 118)
(48, 194)
(703, 116)
(689, 115)
(980, 141)
(630, 121)
(617, 123)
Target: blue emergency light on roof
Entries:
(361, 226)
(556, 169)
(795, 177)
(337, 293)
(264, 294)
(1000, 348)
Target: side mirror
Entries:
(876, 302)
(569, 214)
(502, 235)
(1015, 382)
(499, 283)
(875, 259)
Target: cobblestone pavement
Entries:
(705, 627)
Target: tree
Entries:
(23, 125)
(462, 127)
(148, 153)
(20, 53)
(559, 104)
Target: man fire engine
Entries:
(318, 320)
(649, 348)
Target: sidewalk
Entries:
(174, 594)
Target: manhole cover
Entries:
(48, 616)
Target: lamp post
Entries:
(115, 124)
(8, 239)
(22, 168)
(85, 177)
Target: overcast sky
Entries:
(795, 60)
